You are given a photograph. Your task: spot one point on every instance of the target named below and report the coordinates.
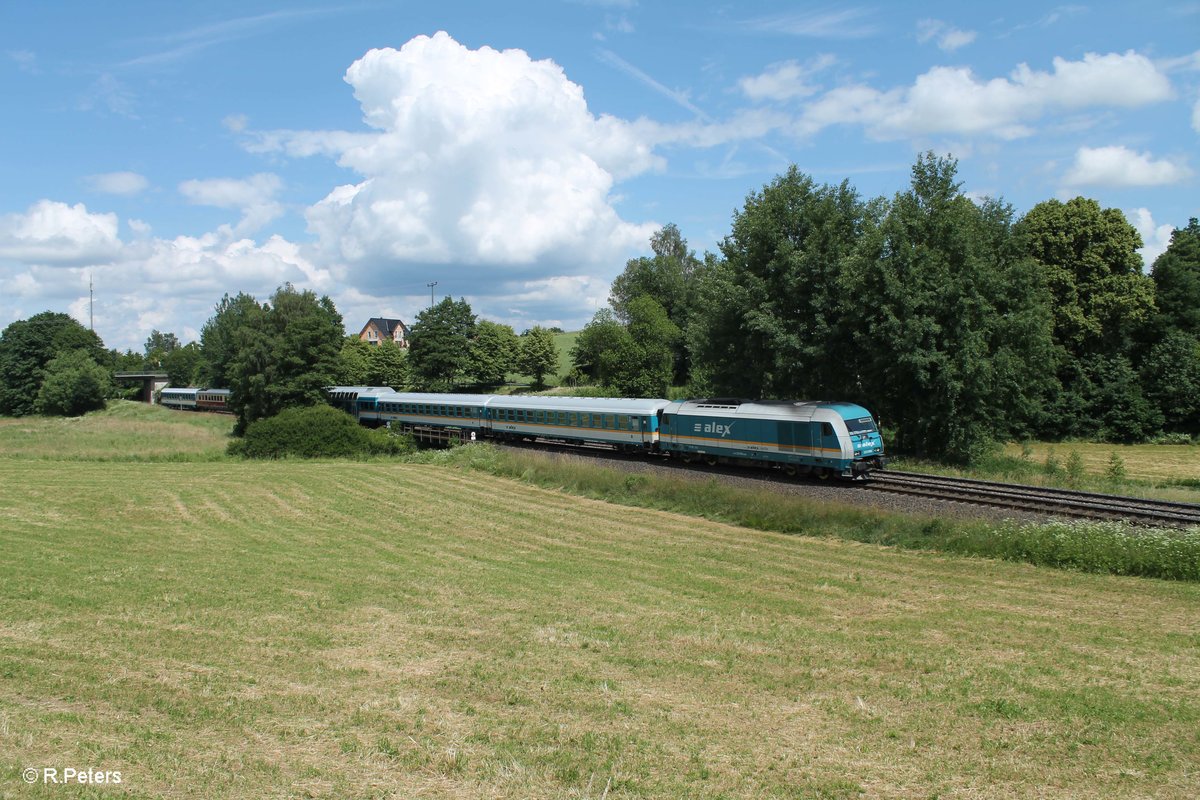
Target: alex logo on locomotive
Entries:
(713, 427)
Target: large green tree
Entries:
(1176, 276)
(1102, 303)
(539, 355)
(1170, 374)
(387, 365)
(951, 322)
(158, 346)
(604, 333)
(494, 352)
(360, 363)
(26, 349)
(770, 316)
(184, 365)
(275, 355)
(440, 345)
(1089, 261)
(670, 277)
(218, 337)
(640, 363)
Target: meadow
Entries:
(1146, 462)
(218, 628)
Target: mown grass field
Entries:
(353, 630)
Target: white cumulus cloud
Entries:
(1120, 166)
(954, 100)
(56, 234)
(479, 159)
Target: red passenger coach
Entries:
(212, 400)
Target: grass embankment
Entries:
(359, 630)
(125, 431)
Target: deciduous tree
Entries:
(74, 384)
(495, 352)
(1176, 276)
(28, 346)
(440, 344)
(771, 314)
(539, 355)
(951, 323)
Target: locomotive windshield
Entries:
(861, 425)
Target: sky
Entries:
(519, 153)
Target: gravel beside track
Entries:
(851, 493)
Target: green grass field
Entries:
(216, 628)
(1148, 462)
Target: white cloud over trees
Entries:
(479, 159)
(1119, 166)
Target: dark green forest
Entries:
(957, 323)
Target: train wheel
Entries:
(824, 473)
(710, 460)
(790, 470)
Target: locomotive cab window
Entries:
(863, 425)
(826, 429)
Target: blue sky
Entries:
(519, 153)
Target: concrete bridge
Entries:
(151, 382)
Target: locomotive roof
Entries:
(794, 409)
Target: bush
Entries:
(316, 432)
(74, 385)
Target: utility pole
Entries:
(431, 285)
(91, 305)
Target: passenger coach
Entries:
(625, 423)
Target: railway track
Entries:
(1063, 502)
(1032, 500)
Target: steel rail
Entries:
(1066, 502)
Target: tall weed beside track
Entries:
(1104, 547)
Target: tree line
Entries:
(957, 323)
(271, 355)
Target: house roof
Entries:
(385, 326)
